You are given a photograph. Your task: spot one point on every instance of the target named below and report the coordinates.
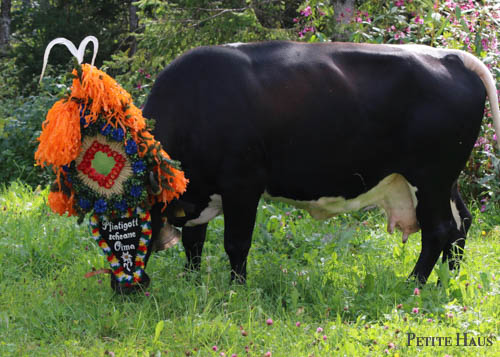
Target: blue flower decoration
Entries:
(69, 179)
(118, 134)
(121, 206)
(131, 147)
(84, 204)
(65, 168)
(83, 121)
(100, 206)
(106, 129)
(138, 167)
(136, 191)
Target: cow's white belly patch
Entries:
(394, 194)
(213, 209)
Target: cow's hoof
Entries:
(126, 290)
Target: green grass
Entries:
(346, 276)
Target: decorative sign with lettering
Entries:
(125, 243)
(122, 236)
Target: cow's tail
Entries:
(476, 65)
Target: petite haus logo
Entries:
(463, 339)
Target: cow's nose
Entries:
(168, 237)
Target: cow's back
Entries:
(339, 116)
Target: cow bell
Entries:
(168, 237)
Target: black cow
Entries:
(328, 127)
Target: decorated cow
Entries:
(329, 127)
(109, 166)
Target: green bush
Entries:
(20, 125)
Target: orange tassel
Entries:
(60, 203)
(60, 140)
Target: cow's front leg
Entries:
(193, 239)
(239, 219)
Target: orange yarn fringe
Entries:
(60, 140)
(60, 203)
(100, 94)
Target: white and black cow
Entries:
(328, 127)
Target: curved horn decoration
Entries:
(83, 45)
(71, 47)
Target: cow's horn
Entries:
(155, 186)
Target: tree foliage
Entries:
(35, 24)
(135, 53)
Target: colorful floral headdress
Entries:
(101, 149)
(107, 163)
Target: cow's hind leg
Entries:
(453, 250)
(438, 227)
(240, 210)
(193, 239)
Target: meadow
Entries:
(332, 288)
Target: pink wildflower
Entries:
(415, 310)
(416, 291)
(269, 322)
(306, 12)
